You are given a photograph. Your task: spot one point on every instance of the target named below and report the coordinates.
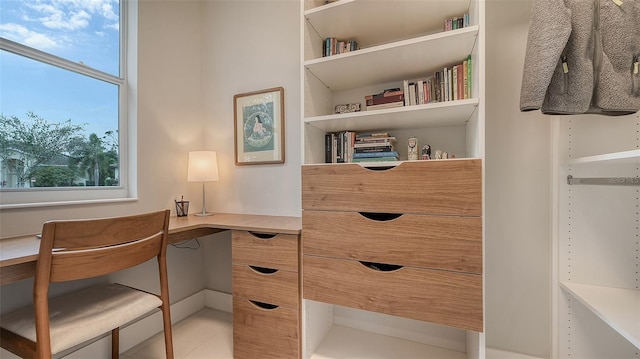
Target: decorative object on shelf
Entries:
(346, 108)
(259, 127)
(412, 149)
(182, 207)
(426, 152)
(203, 167)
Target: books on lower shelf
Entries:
(347, 146)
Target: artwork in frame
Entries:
(259, 127)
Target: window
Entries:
(63, 102)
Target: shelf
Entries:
(624, 157)
(346, 343)
(402, 60)
(619, 308)
(387, 163)
(351, 19)
(448, 113)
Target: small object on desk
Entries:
(182, 207)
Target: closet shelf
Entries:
(619, 308)
(624, 157)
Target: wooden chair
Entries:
(79, 249)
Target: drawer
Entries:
(447, 298)
(279, 251)
(263, 331)
(427, 187)
(266, 285)
(443, 242)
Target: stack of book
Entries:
(374, 147)
(387, 99)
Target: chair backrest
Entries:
(78, 249)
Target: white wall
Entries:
(518, 189)
(249, 46)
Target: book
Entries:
(385, 93)
(385, 99)
(361, 136)
(386, 105)
(376, 159)
(374, 139)
(372, 145)
(454, 82)
(375, 154)
(374, 149)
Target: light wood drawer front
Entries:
(443, 242)
(278, 251)
(280, 287)
(264, 333)
(448, 298)
(429, 187)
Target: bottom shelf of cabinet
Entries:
(343, 342)
(619, 308)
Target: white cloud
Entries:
(25, 36)
(72, 14)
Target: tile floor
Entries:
(206, 334)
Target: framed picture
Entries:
(259, 127)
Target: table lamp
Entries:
(203, 167)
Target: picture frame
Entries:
(259, 127)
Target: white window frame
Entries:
(12, 198)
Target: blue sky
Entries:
(83, 31)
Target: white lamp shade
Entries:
(203, 166)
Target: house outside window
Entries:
(63, 101)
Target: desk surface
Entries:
(18, 254)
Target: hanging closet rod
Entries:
(609, 181)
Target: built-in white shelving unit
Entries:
(597, 309)
(399, 40)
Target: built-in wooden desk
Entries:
(18, 254)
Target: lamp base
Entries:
(200, 214)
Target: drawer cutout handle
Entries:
(262, 235)
(379, 168)
(381, 267)
(379, 216)
(263, 270)
(264, 305)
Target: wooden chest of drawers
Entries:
(266, 295)
(405, 241)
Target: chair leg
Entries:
(115, 343)
(168, 337)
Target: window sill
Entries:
(66, 203)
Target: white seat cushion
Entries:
(79, 316)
